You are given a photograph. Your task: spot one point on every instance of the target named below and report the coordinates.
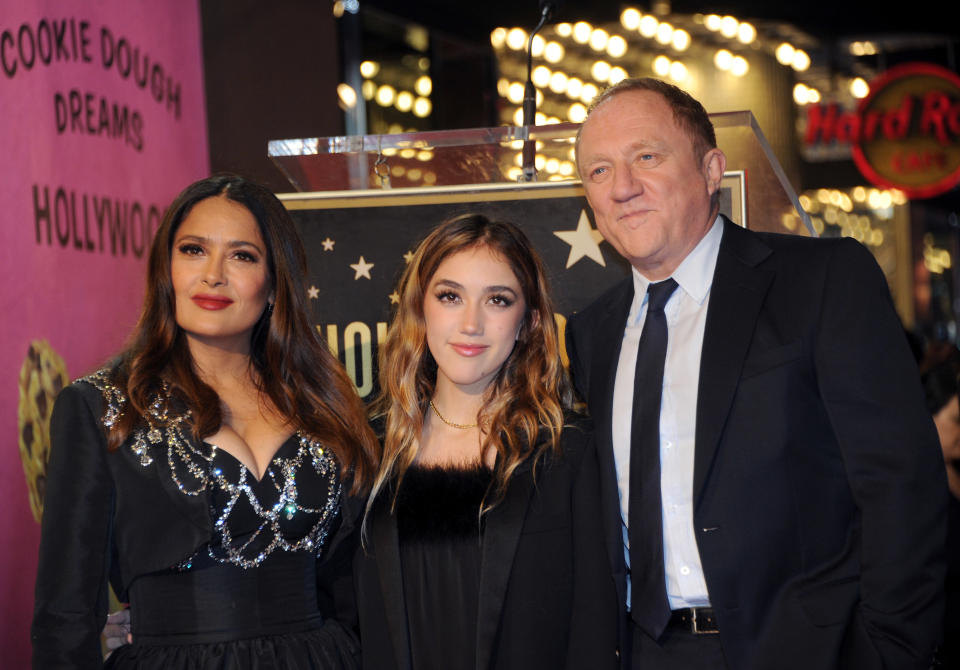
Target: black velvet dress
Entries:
(221, 570)
(438, 513)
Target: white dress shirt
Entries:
(686, 313)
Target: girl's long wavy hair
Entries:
(289, 363)
(523, 409)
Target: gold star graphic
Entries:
(313, 293)
(394, 298)
(361, 268)
(584, 241)
(328, 244)
(408, 256)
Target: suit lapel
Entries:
(387, 543)
(503, 525)
(603, 375)
(736, 297)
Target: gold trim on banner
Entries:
(430, 195)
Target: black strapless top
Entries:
(440, 549)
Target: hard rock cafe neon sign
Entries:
(905, 134)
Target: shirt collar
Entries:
(694, 274)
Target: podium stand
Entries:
(362, 203)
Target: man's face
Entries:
(649, 193)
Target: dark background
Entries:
(272, 69)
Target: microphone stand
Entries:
(529, 172)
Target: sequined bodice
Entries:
(291, 508)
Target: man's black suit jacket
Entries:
(818, 486)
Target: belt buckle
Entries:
(695, 625)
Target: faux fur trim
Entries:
(437, 503)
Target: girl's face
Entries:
(219, 271)
(473, 309)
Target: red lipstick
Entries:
(211, 302)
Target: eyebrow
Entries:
(495, 288)
(232, 244)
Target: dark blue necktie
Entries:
(648, 605)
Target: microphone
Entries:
(529, 173)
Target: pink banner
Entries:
(101, 124)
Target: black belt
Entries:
(697, 620)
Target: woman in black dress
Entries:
(201, 472)
(482, 545)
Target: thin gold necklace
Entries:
(462, 426)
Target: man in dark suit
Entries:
(771, 478)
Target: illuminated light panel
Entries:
(518, 117)
(661, 65)
(541, 76)
(422, 107)
(801, 94)
(664, 33)
(552, 165)
(616, 46)
(739, 67)
(564, 29)
(515, 93)
(649, 25)
(553, 52)
(713, 22)
(424, 155)
(404, 101)
(423, 85)
(600, 70)
(729, 26)
(723, 59)
(368, 89)
(598, 39)
(630, 18)
(617, 74)
(538, 46)
(574, 87)
(581, 32)
(386, 94)
(590, 91)
(369, 69)
(813, 95)
(577, 112)
(681, 39)
(347, 95)
(498, 37)
(801, 61)
(785, 53)
(517, 39)
(558, 82)
(746, 33)
(859, 88)
(678, 71)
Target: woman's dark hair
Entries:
(290, 364)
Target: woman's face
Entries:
(473, 309)
(219, 271)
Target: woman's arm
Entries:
(335, 584)
(71, 591)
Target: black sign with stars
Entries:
(359, 243)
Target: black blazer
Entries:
(546, 596)
(107, 518)
(818, 482)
